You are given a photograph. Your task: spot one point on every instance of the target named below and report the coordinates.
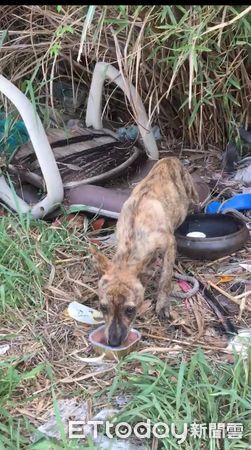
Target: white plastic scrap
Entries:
(117, 444)
(69, 409)
(113, 444)
(246, 267)
(122, 400)
(244, 175)
(240, 343)
(4, 349)
(84, 314)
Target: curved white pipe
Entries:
(45, 156)
(93, 114)
(7, 196)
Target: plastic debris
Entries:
(84, 314)
(128, 133)
(69, 409)
(122, 400)
(246, 267)
(131, 133)
(113, 444)
(72, 410)
(12, 135)
(105, 414)
(240, 343)
(117, 444)
(4, 349)
(244, 175)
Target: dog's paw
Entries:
(163, 314)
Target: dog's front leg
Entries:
(165, 283)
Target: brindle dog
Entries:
(145, 229)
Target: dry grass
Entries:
(191, 67)
(44, 334)
(190, 64)
(50, 356)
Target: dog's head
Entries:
(121, 293)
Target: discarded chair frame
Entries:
(43, 150)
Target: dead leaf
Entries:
(98, 224)
(225, 279)
(74, 221)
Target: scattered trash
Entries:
(246, 190)
(128, 133)
(4, 349)
(187, 293)
(241, 343)
(113, 444)
(69, 409)
(12, 135)
(122, 400)
(243, 174)
(156, 133)
(117, 444)
(105, 414)
(239, 202)
(131, 133)
(246, 266)
(84, 314)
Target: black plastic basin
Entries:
(225, 234)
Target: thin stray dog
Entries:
(145, 229)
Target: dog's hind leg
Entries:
(165, 283)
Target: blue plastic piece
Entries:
(12, 135)
(240, 202)
(212, 207)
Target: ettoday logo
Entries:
(160, 430)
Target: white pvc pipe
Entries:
(45, 156)
(7, 196)
(94, 106)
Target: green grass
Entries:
(13, 432)
(16, 433)
(194, 82)
(197, 391)
(27, 253)
(193, 392)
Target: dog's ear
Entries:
(102, 262)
